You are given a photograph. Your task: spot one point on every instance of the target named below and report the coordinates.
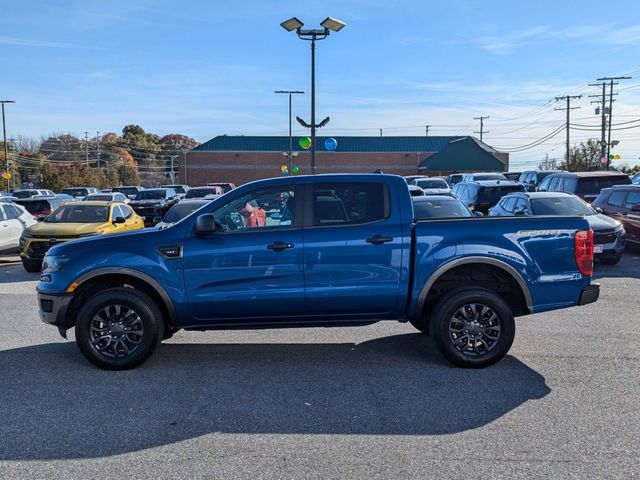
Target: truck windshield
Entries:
(560, 206)
(79, 214)
(594, 185)
(488, 176)
(151, 195)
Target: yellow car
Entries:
(71, 221)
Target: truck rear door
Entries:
(353, 248)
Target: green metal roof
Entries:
(241, 143)
(463, 154)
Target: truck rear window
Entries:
(349, 203)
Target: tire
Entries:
(421, 324)
(31, 266)
(128, 316)
(479, 342)
(610, 260)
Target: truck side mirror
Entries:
(119, 220)
(205, 224)
(599, 210)
(635, 208)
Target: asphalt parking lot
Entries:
(368, 402)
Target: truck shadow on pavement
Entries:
(54, 405)
(14, 273)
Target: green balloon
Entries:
(305, 142)
(296, 169)
(610, 157)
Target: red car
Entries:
(622, 203)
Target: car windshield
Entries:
(560, 206)
(493, 195)
(151, 195)
(79, 214)
(489, 176)
(99, 198)
(180, 211)
(199, 192)
(24, 193)
(75, 192)
(178, 188)
(432, 183)
(128, 191)
(37, 207)
(441, 208)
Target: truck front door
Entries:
(253, 267)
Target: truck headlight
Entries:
(53, 263)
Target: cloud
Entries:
(596, 34)
(35, 43)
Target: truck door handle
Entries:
(379, 239)
(279, 246)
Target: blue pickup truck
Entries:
(308, 251)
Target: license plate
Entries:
(597, 248)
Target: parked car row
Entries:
(33, 220)
(614, 215)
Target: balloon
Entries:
(305, 142)
(610, 157)
(330, 144)
(283, 168)
(296, 169)
(617, 157)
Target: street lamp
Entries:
(290, 92)
(328, 24)
(4, 135)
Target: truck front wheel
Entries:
(472, 327)
(119, 328)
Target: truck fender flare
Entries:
(424, 292)
(140, 276)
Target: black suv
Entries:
(153, 203)
(480, 196)
(532, 178)
(586, 185)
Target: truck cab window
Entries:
(265, 208)
(349, 203)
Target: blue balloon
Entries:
(330, 144)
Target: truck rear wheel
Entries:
(119, 328)
(472, 327)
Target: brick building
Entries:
(241, 159)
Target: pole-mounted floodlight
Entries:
(333, 24)
(324, 122)
(329, 25)
(291, 24)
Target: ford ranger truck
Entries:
(333, 250)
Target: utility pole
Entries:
(568, 108)
(611, 84)
(482, 119)
(426, 130)
(98, 147)
(86, 147)
(4, 137)
(605, 140)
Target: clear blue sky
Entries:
(206, 68)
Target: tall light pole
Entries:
(328, 24)
(290, 92)
(4, 136)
